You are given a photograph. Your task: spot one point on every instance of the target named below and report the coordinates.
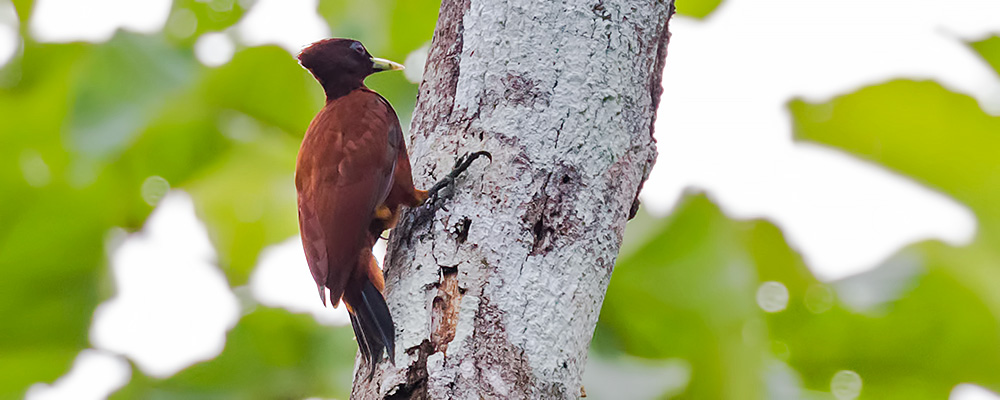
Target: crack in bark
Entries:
(462, 230)
(545, 213)
(415, 387)
(444, 310)
(561, 125)
(536, 212)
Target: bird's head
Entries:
(341, 65)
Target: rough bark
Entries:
(497, 296)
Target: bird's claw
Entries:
(461, 164)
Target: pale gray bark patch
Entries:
(497, 296)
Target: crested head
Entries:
(341, 65)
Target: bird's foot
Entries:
(383, 212)
(461, 164)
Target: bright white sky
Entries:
(722, 128)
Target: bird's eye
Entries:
(358, 47)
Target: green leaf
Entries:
(937, 335)
(122, 83)
(189, 19)
(411, 25)
(989, 49)
(697, 8)
(179, 142)
(689, 293)
(267, 84)
(52, 234)
(920, 129)
(271, 354)
(23, 8)
(51, 240)
(944, 330)
(67, 183)
(247, 198)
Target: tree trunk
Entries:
(497, 295)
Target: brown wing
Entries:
(401, 192)
(343, 172)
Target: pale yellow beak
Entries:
(381, 64)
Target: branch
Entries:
(497, 294)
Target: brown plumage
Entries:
(352, 176)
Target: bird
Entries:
(353, 177)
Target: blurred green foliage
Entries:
(84, 125)
(989, 49)
(689, 291)
(271, 354)
(696, 8)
